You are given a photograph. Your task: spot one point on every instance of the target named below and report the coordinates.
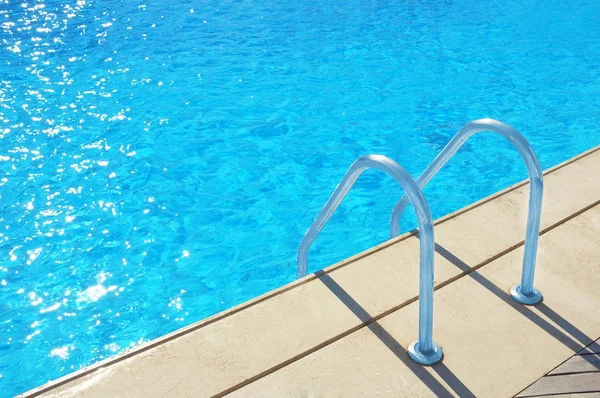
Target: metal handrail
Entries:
(424, 350)
(524, 293)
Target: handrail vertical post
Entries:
(424, 351)
(525, 293)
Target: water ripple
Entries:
(160, 162)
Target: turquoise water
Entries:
(160, 161)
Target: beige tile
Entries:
(224, 352)
(493, 347)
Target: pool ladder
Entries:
(424, 351)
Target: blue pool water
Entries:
(160, 161)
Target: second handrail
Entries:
(524, 293)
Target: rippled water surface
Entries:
(161, 160)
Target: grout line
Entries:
(313, 349)
(580, 352)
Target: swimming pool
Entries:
(161, 161)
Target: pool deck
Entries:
(345, 330)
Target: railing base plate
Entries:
(428, 358)
(530, 299)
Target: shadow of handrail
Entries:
(576, 342)
(571, 336)
(396, 348)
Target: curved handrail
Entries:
(424, 351)
(524, 293)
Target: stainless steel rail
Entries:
(424, 350)
(524, 293)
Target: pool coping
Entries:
(292, 285)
